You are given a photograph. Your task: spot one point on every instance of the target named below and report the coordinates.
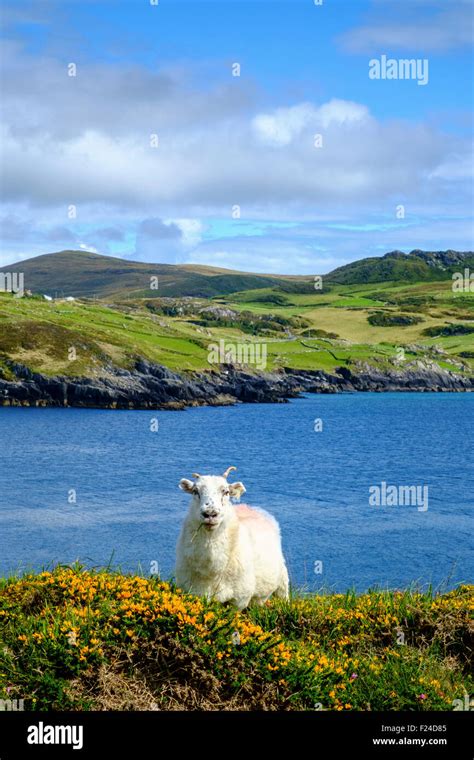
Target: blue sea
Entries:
(101, 486)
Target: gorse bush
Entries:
(384, 319)
(446, 330)
(78, 639)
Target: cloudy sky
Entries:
(126, 131)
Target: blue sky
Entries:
(236, 179)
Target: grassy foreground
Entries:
(85, 640)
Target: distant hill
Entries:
(86, 274)
(416, 266)
(82, 274)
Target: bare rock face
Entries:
(219, 312)
(152, 386)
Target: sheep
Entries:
(228, 553)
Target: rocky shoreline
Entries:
(151, 386)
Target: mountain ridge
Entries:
(88, 274)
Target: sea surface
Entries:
(101, 486)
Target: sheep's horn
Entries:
(196, 475)
(229, 469)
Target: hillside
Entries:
(389, 328)
(82, 274)
(416, 266)
(84, 640)
(385, 335)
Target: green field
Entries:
(320, 330)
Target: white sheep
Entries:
(226, 552)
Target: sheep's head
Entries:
(211, 495)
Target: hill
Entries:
(416, 266)
(86, 274)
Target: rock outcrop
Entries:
(151, 386)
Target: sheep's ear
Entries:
(236, 489)
(186, 485)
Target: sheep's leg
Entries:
(283, 590)
(241, 602)
(259, 600)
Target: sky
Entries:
(260, 135)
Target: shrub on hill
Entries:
(447, 330)
(383, 319)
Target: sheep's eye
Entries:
(195, 491)
(226, 492)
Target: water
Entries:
(129, 510)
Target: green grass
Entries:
(39, 333)
(85, 640)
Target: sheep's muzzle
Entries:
(211, 521)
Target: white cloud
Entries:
(191, 230)
(282, 126)
(65, 143)
(341, 112)
(455, 167)
(361, 158)
(286, 124)
(88, 247)
(425, 27)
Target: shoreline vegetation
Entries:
(78, 639)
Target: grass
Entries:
(39, 333)
(75, 639)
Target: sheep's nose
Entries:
(209, 511)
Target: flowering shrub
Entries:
(66, 633)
